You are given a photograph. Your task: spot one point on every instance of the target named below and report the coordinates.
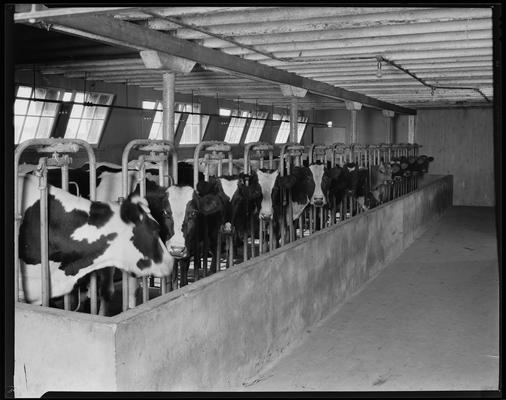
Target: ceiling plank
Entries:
(128, 34)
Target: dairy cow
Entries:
(85, 236)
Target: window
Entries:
(191, 133)
(284, 129)
(236, 126)
(87, 121)
(156, 132)
(35, 119)
(255, 127)
(225, 112)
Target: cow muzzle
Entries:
(178, 252)
(318, 201)
(264, 216)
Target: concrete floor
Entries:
(429, 321)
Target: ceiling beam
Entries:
(114, 31)
(63, 11)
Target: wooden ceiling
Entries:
(420, 48)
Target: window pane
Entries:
(24, 91)
(29, 128)
(35, 108)
(96, 127)
(53, 94)
(79, 97)
(40, 93)
(76, 112)
(158, 117)
(100, 113)
(18, 124)
(84, 128)
(88, 112)
(153, 133)
(92, 97)
(20, 107)
(225, 112)
(148, 105)
(283, 133)
(67, 96)
(50, 109)
(72, 126)
(105, 99)
(44, 129)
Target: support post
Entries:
(169, 79)
(352, 134)
(389, 115)
(411, 129)
(293, 120)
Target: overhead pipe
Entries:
(404, 55)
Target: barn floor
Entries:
(429, 321)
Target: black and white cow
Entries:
(85, 236)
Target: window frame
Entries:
(257, 116)
(31, 98)
(302, 122)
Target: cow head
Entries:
(187, 207)
(423, 163)
(184, 214)
(146, 238)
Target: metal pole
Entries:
(65, 186)
(44, 234)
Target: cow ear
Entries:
(130, 212)
(210, 204)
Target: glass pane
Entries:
(50, 109)
(76, 112)
(67, 96)
(225, 112)
(44, 129)
(20, 107)
(96, 127)
(53, 94)
(35, 108)
(283, 133)
(177, 117)
(148, 105)
(29, 128)
(40, 93)
(300, 131)
(79, 97)
(158, 117)
(154, 130)
(92, 98)
(72, 126)
(105, 99)
(24, 91)
(100, 112)
(84, 129)
(88, 112)
(18, 123)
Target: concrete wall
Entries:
(220, 331)
(62, 351)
